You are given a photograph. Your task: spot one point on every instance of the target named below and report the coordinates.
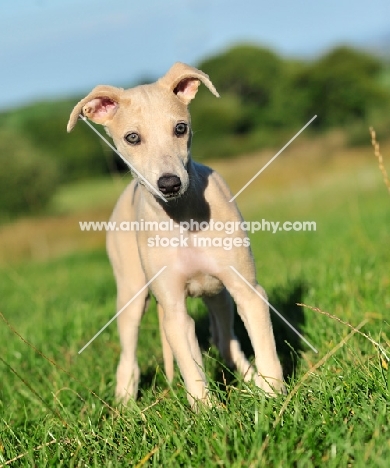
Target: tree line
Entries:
(264, 98)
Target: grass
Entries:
(57, 406)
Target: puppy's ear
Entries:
(99, 106)
(184, 81)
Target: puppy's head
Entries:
(150, 125)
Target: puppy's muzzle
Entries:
(169, 185)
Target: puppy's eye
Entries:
(181, 129)
(133, 138)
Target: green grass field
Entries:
(57, 407)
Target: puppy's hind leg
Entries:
(179, 329)
(221, 312)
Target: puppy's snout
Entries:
(169, 184)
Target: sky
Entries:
(61, 48)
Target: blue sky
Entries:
(52, 48)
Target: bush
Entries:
(344, 87)
(28, 179)
(213, 117)
(78, 155)
(252, 74)
(247, 71)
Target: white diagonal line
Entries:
(125, 161)
(276, 312)
(273, 159)
(123, 308)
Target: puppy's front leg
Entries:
(128, 373)
(179, 328)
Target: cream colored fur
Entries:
(193, 191)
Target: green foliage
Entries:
(340, 87)
(28, 179)
(78, 155)
(267, 97)
(220, 116)
(344, 87)
(247, 71)
(253, 75)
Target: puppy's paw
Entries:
(271, 385)
(207, 402)
(127, 379)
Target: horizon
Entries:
(60, 51)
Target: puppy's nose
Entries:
(169, 184)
